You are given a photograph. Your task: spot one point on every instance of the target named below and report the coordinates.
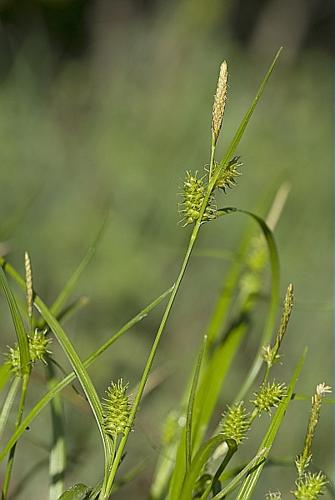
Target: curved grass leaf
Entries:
(4, 375)
(8, 403)
(43, 402)
(238, 478)
(80, 371)
(243, 125)
(215, 483)
(271, 318)
(184, 451)
(22, 338)
(199, 461)
(57, 456)
(250, 482)
(190, 407)
(77, 492)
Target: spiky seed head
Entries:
(38, 346)
(235, 422)
(229, 174)
(219, 104)
(116, 409)
(269, 396)
(194, 192)
(38, 351)
(13, 360)
(310, 486)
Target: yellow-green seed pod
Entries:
(116, 409)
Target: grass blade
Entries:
(8, 403)
(241, 129)
(22, 338)
(43, 402)
(250, 482)
(4, 375)
(234, 483)
(184, 450)
(271, 318)
(57, 458)
(190, 407)
(199, 461)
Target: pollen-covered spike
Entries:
(29, 284)
(219, 104)
(303, 460)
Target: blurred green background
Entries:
(103, 106)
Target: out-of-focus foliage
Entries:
(105, 109)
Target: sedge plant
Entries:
(196, 457)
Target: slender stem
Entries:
(9, 467)
(211, 163)
(106, 491)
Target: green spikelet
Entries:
(116, 409)
(229, 174)
(235, 423)
(38, 349)
(13, 360)
(269, 396)
(310, 486)
(38, 346)
(194, 192)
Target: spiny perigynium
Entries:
(310, 486)
(270, 354)
(228, 175)
(235, 422)
(29, 284)
(194, 192)
(220, 98)
(303, 460)
(269, 396)
(116, 409)
(273, 495)
(38, 346)
(38, 351)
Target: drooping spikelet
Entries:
(116, 409)
(194, 191)
(269, 396)
(310, 486)
(227, 179)
(219, 104)
(303, 460)
(235, 422)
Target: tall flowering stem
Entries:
(108, 482)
